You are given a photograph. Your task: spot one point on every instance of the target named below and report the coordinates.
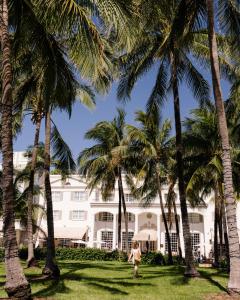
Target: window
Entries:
(57, 215)
(174, 242)
(107, 239)
(130, 236)
(131, 217)
(78, 215)
(129, 198)
(195, 240)
(79, 196)
(64, 242)
(56, 196)
(195, 218)
(105, 217)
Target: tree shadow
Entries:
(208, 277)
(53, 287)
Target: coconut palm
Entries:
(103, 163)
(227, 13)
(203, 156)
(150, 144)
(162, 45)
(16, 283)
(87, 47)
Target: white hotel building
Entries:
(83, 218)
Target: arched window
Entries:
(195, 218)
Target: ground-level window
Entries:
(174, 242)
(64, 242)
(130, 236)
(107, 240)
(195, 240)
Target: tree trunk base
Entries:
(191, 272)
(32, 263)
(234, 292)
(52, 271)
(22, 292)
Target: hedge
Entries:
(151, 258)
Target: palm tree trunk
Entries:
(216, 219)
(220, 230)
(170, 259)
(225, 233)
(177, 230)
(16, 285)
(124, 210)
(234, 251)
(190, 268)
(31, 261)
(119, 215)
(51, 268)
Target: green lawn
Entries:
(113, 280)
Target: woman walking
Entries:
(135, 257)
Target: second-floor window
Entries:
(56, 196)
(79, 196)
(129, 198)
(57, 215)
(78, 215)
(105, 217)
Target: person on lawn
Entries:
(135, 257)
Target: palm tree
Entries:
(161, 44)
(103, 163)
(150, 144)
(86, 38)
(16, 283)
(205, 176)
(234, 251)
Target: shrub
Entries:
(153, 258)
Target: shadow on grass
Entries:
(114, 285)
(105, 284)
(204, 274)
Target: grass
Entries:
(113, 280)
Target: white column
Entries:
(91, 230)
(136, 224)
(158, 233)
(114, 231)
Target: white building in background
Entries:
(82, 218)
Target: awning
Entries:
(145, 235)
(69, 233)
(79, 242)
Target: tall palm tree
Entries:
(203, 156)
(103, 163)
(85, 38)
(16, 283)
(150, 144)
(173, 52)
(234, 251)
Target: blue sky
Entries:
(73, 130)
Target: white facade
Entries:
(80, 215)
(83, 218)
